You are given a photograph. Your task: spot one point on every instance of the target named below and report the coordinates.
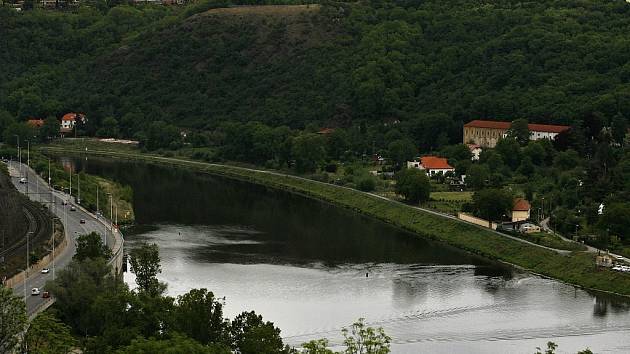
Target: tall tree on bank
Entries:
(519, 131)
(12, 319)
(145, 264)
(413, 184)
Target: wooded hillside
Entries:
(432, 64)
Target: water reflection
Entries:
(302, 264)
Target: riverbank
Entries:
(577, 268)
(90, 189)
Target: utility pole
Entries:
(28, 153)
(28, 253)
(79, 186)
(96, 201)
(52, 223)
(111, 226)
(71, 181)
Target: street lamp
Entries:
(28, 253)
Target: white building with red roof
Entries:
(486, 133)
(432, 165)
(520, 210)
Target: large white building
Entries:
(486, 133)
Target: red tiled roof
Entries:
(72, 116)
(490, 124)
(473, 146)
(434, 163)
(521, 204)
(547, 128)
(35, 122)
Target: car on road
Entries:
(45, 271)
(82, 221)
(23, 180)
(64, 202)
(35, 291)
(45, 294)
(73, 208)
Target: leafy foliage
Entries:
(91, 246)
(12, 318)
(48, 335)
(413, 184)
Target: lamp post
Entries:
(19, 154)
(28, 253)
(543, 207)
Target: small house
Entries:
(520, 210)
(604, 260)
(432, 165)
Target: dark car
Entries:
(45, 294)
(82, 221)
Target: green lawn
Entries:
(448, 202)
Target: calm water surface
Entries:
(302, 264)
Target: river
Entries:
(312, 268)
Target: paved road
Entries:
(39, 191)
(545, 225)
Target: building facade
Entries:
(486, 133)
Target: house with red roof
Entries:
(486, 133)
(520, 210)
(432, 165)
(35, 123)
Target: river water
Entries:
(312, 268)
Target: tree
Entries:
(5, 120)
(477, 176)
(519, 131)
(317, 346)
(49, 130)
(360, 339)
(309, 151)
(12, 319)
(492, 204)
(175, 344)
(109, 128)
(510, 151)
(162, 135)
(145, 264)
(199, 315)
(414, 185)
(23, 130)
(401, 151)
(76, 288)
(619, 128)
(457, 153)
(48, 335)
(251, 335)
(616, 220)
(91, 246)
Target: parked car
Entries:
(73, 208)
(45, 294)
(35, 291)
(64, 202)
(82, 221)
(45, 271)
(23, 180)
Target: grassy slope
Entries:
(578, 268)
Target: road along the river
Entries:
(39, 191)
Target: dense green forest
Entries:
(430, 64)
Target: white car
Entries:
(23, 180)
(45, 271)
(35, 291)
